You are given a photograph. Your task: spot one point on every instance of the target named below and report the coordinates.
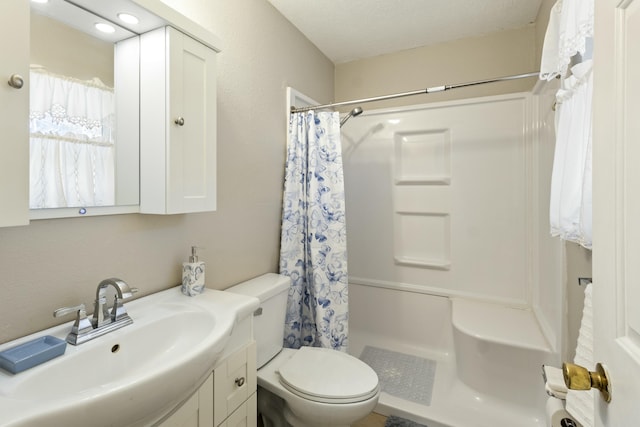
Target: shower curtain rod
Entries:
(414, 92)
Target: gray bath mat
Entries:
(394, 421)
(402, 375)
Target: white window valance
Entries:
(72, 126)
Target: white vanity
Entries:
(184, 361)
(228, 396)
(164, 134)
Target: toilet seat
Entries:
(328, 376)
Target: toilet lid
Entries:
(326, 375)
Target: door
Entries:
(192, 125)
(14, 113)
(616, 213)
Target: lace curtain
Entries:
(567, 53)
(313, 246)
(71, 126)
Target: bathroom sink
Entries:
(129, 377)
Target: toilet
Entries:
(309, 387)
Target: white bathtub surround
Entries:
(469, 276)
(451, 199)
(313, 251)
(422, 327)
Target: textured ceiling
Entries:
(346, 30)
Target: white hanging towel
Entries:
(581, 404)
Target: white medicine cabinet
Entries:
(177, 123)
(174, 155)
(14, 113)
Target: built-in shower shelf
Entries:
(423, 180)
(434, 264)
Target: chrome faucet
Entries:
(101, 314)
(104, 319)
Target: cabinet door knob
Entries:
(179, 121)
(240, 381)
(16, 81)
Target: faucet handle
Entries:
(81, 326)
(118, 311)
(68, 310)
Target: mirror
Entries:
(84, 111)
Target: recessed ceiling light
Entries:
(105, 28)
(129, 19)
(40, 1)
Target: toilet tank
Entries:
(268, 320)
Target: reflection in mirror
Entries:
(71, 118)
(78, 144)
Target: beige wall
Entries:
(499, 54)
(70, 52)
(542, 21)
(494, 55)
(55, 263)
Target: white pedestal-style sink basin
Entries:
(133, 376)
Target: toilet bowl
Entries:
(320, 387)
(308, 387)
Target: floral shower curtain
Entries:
(313, 248)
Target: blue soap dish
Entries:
(24, 356)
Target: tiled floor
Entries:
(373, 420)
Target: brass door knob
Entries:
(578, 378)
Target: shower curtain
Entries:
(313, 246)
(567, 53)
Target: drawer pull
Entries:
(239, 381)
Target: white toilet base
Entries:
(276, 413)
(271, 409)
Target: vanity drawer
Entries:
(234, 380)
(245, 416)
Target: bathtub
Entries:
(488, 357)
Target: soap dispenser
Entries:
(193, 275)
